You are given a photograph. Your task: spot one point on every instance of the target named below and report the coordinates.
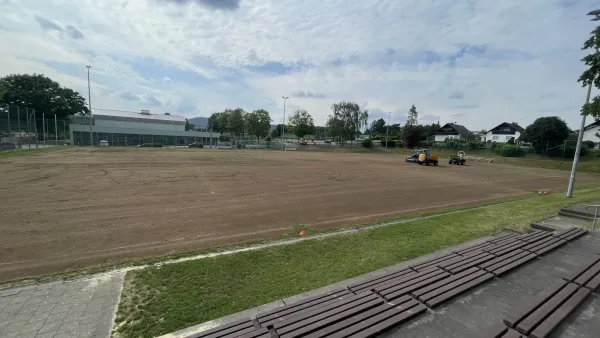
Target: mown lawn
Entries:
(28, 152)
(164, 299)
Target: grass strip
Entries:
(29, 152)
(164, 299)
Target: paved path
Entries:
(79, 308)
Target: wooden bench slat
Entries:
(547, 326)
(500, 259)
(359, 287)
(591, 261)
(355, 300)
(512, 334)
(426, 264)
(507, 260)
(434, 286)
(537, 237)
(475, 248)
(505, 236)
(302, 304)
(390, 296)
(391, 322)
(514, 264)
(466, 265)
(496, 331)
(451, 285)
(362, 325)
(225, 329)
(540, 242)
(390, 287)
(566, 232)
(350, 321)
(498, 251)
(594, 283)
(537, 316)
(433, 302)
(575, 234)
(515, 316)
(325, 319)
(588, 275)
(254, 334)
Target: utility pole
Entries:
(387, 134)
(90, 106)
(283, 125)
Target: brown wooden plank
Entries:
(396, 285)
(543, 250)
(332, 308)
(594, 283)
(403, 279)
(433, 302)
(537, 316)
(301, 304)
(515, 316)
(504, 237)
(362, 325)
(314, 323)
(222, 330)
(547, 326)
(496, 331)
(545, 245)
(507, 260)
(366, 285)
(254, 334)
(387, 324)
(574, 235)
(461, 259)
(510, 246)
(475, 248)
(500, 259)
(452, 285)
(566, 232)
(588, 275)
(591, 261)
(512, 334)
(540, 242)
(462, 266)
(507, 250)
(434, 261)
(514, 264)
(507, 241)
(537, 237)
(434, 286)
(325, 331)
(394, 294)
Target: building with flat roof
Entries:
(121, 128)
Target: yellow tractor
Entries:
(423, 156)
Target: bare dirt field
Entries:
(76, 208)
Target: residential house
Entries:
(590, 131)
(451, 131)
(503, 132)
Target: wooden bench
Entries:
(588, 275)
(544, 245)
(432, 262)
(507, 262)
(233, 329)
(463, 263)
(369, 284)
(501, 331)
(448, 288)
(571, 234)
(406, 286)
(545, 311)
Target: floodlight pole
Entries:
(596, 15)
(90, 106)
(387, 135)
(283, 125)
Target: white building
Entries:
(451, 131)
(503, 132)
(589, 133)
(131, 128)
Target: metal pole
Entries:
(55, 131)
(8, 111)
(28, 127)
(19, 127)
(387, 134)
(44, 128)
(64, 131)
(283, 125)
(578, 148)
(90, 106)
(37, 137)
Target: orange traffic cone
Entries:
(302, 233)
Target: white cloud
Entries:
(478, 62)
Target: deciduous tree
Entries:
(301, 123)
(236, 121)
(347, 120)
(546, 132)
(592, 73)
(258, 123)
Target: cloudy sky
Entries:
(477, 62)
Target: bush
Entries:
(511, 141)
(224, 138)
(508, 150)
(426, 144)
(268, 139)
(589, 144)
(367, 143)
(399, 144)
(377, 138)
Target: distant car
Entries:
(103, 143)
(7, 146)
(196, 145)
(150, 145)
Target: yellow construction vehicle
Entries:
(423, 156)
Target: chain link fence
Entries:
(23, 128)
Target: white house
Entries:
(451, 131)
(504, 132)
(589, 133)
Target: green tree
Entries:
(347, 120)
(301, 123)
(189, 126)
(378, 127)
(413, 117)
(258, 123)
(275, 133)
(592, 74)
(546, 132)
(236, 121)
(42, 94)
(215, 120)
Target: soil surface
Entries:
(80, 207)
